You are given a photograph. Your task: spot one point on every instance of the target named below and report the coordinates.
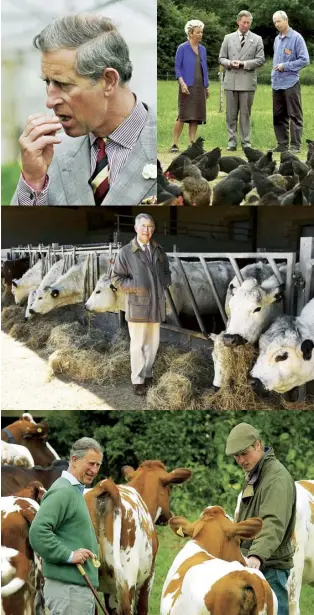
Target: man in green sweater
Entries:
(63, 535)
(269, 493)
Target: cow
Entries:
(32, 435)
(13, 269)
(123, 517)
(29, 281)
(15, 454)
(21, 569)
(53, 274)
(68, 288)
(15, 478)
(107, 298)
(209, 575)
(302, 572)
(286, 356)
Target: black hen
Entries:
(264, 160)
(243, 172)
(230, 191)
(165, 184)
(264, 186)
(195, 149)
(310, 150)
(253, 155)
(177, 163)
(300, 169)
(212, 157)
(287, 156)
(229, 163)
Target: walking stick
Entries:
(92, 588)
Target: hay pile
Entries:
(185, 375)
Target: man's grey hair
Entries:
(81, 446)
(245, 14)
(99, 44)
(282, 14)
(147, 216)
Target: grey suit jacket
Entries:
(252, 53)
(69, 172)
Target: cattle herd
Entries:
(124, 518)
(254, 306)
(196, 177)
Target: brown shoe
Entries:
(139, 389)
(149, 382)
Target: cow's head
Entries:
(285, 363)
(34, 436)
(153, 482)
(68, 289)
(34, 490)
(252, 308)
(29, 281)
(215, 532)
(105, 298)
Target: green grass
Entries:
(10, 174)
(214, 131)
(169, 545)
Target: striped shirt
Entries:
(119, 145)
(289, 50)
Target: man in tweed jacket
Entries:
(241, 53)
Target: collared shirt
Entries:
(68, 476)
(289, 50)
(119, 145)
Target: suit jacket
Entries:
(252, 52)
(69, 172)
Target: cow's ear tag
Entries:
(248, 491)
(39, 430)
(180, 532)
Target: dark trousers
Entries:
(277, 580)
(287, 109)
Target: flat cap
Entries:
(240, 437)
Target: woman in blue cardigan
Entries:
(192, 74)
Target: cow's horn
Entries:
(180, 532)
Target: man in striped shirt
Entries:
(107, 155)
(290, 56)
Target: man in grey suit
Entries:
(107, 155)
(241, 53)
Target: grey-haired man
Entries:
(142, 270)
(107, 155)
(63, 534)
(269, 493)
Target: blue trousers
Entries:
(277, 580)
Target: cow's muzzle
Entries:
(31, 311)
(234, 339)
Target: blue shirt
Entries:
(73, 481)
(291, 51)
(185, 63)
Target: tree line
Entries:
(172, 15)
(187, 439)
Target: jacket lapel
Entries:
(75, 172)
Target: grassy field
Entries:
(169, 545)
(10, 174)
(215, 130)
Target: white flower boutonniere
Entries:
(150, 171)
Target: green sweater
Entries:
(61, 526)
(274, 500)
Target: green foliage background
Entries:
(220, 19)
(191, 439)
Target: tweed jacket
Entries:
(252, 53)
(144, 281)
(69, 172)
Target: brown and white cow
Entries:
(123, 518)
(16, 455)
(21, 574)
(32, 435)
(209, 575)
(13, 269)
(17, 477)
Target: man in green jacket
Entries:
(141, 270)
(269, 493)
(63, 535)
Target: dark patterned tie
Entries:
(243, 40)
(99, 181)
(147, 252)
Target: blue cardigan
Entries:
(185, 63)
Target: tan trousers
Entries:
(143, 349)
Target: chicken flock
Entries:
(254, 181)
